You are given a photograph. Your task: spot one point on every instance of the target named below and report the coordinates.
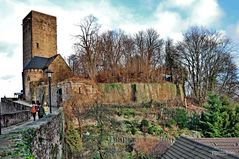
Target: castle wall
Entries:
(122, 93)
(27, 39)
(32, 79)
(61, 70)
(125, 93)
(111, 93)
(39, 36)
(36, 80)
(43, 138)
(44, 36)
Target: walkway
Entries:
(29, 123)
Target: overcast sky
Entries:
(169, 17)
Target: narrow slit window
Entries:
(37, 45)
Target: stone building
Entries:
(40, 53)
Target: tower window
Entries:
(37, 45)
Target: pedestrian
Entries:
(37, 107)
(41, 111)
(45, 106)
(34, 110)
(38, 104)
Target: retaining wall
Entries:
(140, 92)
(40, 139)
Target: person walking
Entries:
(38, 105)
(34, 110)
(41, 111)
(46, 108)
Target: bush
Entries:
(170, 123)
(133, 130)
(221, 118)
(73, 140)
(194, 122)
(126, 112)
(155, 130)
(181, 117)
(131, 126)
(144, 125)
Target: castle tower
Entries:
(39, 36)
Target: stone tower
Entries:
(39, 36)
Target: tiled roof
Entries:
(39, 62)
(230, 145)
(186, 148)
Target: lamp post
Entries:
(49, 73)
(0, 119)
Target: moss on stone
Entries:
(108, 87)
(23, 144)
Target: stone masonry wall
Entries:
(61, 70)
(43, 35)
(39, 36)
(9, 119)
(115, 93)
(48, 140)
(8, 105)
(31, 78)
(140, 92)
(36, 81)
(124, 93)
(42, 139)
(13, 113)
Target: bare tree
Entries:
(112, 42)
(203, 53)
(203, 57)
(148, 47)
(154, 47)
(74, 64)
(128, 52)
(227, 80)
(87, 46)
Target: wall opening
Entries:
(59, 97)
(134, 91)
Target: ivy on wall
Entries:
(23, 144)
